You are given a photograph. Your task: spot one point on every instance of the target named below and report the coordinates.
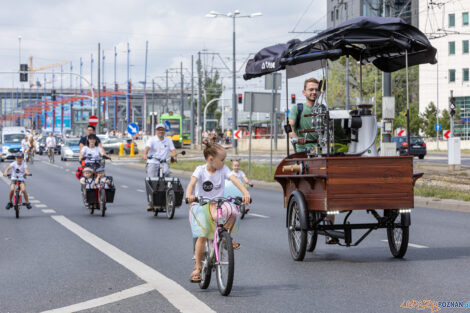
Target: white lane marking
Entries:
(412, 245)
(179, 297)
(259, 215)
(33, 201)
(124, 186)
(140, 190)
(67, 170)
(40, 206)
(115, 297)
(31, 197)
(47, 211)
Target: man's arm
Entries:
(173, 153)
(6, 171)
(146, 151)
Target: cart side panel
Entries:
(356, 183)
(313, 189)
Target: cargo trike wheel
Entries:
(398, 236)
(170, 203)
(297, 236)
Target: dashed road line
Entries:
(124, 186)
(140, 190)
(179, 297)
(115, 297)
(40, 206)
(259, 215)
(33, 201)
(414, 245)
(48, 211)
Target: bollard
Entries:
(121, 150)
(132, 150)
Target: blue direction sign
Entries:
(132, 128)
(437, 127)
(167, 126)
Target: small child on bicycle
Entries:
(19, 170)
(208, 181)
(102, 179)
(230, 188)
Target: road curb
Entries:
(431, 203)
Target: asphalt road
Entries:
(51, 260)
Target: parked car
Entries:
(113, 144)
(418, 146)
(70, 149)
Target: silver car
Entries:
(70, 149)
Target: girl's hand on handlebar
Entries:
(246, 199)
(191, 198)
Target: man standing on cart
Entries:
(298, 122)
(157, 152)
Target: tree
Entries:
(415, 120)
(429, 120)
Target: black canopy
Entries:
(381, 41)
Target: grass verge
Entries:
(258, 171)
(440, 193)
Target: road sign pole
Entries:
(451, 116)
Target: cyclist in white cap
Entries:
(157, 152)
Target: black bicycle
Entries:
(17, 201)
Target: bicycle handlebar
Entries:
(204, 200)
(9, 175)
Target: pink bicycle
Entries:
(219, 256)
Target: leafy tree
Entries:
(416, 120)
(429, 120)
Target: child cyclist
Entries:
(208, 181)
(18, 171)
(230, 188)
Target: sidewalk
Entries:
(432, 203)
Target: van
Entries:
(11, 141)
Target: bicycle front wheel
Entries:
(206, 270)
(225, 268)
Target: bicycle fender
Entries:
(405, 219)
(303, 209)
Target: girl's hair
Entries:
(235, 160)
(211, 149)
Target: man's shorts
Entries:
(152, 169)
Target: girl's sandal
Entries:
(196, 275)
(236, 245)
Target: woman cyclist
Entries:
(92, 153)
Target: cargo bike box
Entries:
(92, 194)
(158, 187)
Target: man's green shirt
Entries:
(305, 123)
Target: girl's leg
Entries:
(200, 246)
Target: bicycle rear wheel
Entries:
(225, 268)
(206, 271)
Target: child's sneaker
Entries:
(9, 205)
(28, 206)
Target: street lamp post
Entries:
(233, 15)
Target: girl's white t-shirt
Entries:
(91, 154)
(239, 175)
(210, 186)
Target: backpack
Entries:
(300, 108)
(79, 172)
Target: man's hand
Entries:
(301, 141)
(144, 157)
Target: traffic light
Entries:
(452, 106)
(53, 95)
(23, 75)
(292, 98)
(240, 98)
